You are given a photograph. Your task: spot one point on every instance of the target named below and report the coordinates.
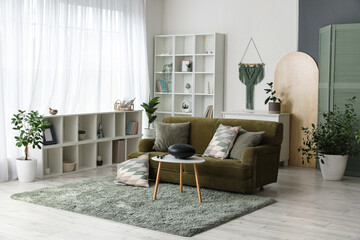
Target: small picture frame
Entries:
(184, 65)
(49, 136)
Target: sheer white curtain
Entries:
(71, 55)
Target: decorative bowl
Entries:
(182, 151)
(68, 166)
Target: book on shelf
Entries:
(161, 86)
(132, 128)
(209, 112)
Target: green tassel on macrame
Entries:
(250, 76)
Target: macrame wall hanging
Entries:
(251, 74)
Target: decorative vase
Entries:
(82, 136)
(149, 133)
(181, 151)
(26, 169)
(333, 166)
(99, 161)
(186, 106)
(187, 88)
(274, 107)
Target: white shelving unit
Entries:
(84, 152)
(206, 52)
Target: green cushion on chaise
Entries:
(258, 165)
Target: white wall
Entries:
(272, 23)
(154, 26)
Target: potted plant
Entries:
(187, 87)
(275, 104)
(336, 137)
(81, 134)
(189, 66)
(150, 113)
(31, 126)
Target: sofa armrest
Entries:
(146, 145)
(264, 161)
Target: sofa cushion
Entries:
(133, 172)
(226, 168)
(154, 164)
(222, 141)
(201, 130)
(168, 134)
(244, 140)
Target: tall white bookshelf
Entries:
(84, 152)
(206, 53)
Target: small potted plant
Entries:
(275, 104)
(31, 126)
(336, 137)
(189, 66)
(187, 87)
(81, 134)
(150, 109)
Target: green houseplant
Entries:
(30, 127)
(336, 137)
(150, 109)
(274, 102)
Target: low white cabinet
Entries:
(84, 152)
(283, 118)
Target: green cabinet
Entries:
(339, 73)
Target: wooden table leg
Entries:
(157, 180)
(197, 183)
(181, 177)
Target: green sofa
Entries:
(258, 166)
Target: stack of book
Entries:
(209, 112)
(132, 128)
(161, 86)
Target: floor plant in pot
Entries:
(336, 137)
(274, 102)
(30, 127)
(150, 109)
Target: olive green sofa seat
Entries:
(257, 167)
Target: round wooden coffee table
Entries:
(171, 159)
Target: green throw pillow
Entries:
(168, 134)
(134, 172)
(221, 142)
(244, 140)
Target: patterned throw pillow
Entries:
(134, 172)
(221, 142)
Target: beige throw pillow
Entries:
(221, 142)
(168, 134)
(244, 140)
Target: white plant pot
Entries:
(149, 133)
(333, 167)
(26, 169)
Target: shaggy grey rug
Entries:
(173, 212)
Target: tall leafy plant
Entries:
(31, 126)
(337, 133)
(150, 109)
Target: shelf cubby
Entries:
(87, 156)
(179, 99)
(105, 151)
(52, 158)
(70, 154)
(204, 83)
(201, 103)
(70, 132)
(184, 44)
(134, 116)
(200, 44)
(180, 82)
(108, 124)
(204, 64)
(178, 62)
(161, 62)
(164, 45)
(131, 145)
(57, 123)
(162, 116)
(165, 102)
(120, 124)
(88, 123)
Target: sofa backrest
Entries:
(203, 129)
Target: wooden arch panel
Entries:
(296, 83)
